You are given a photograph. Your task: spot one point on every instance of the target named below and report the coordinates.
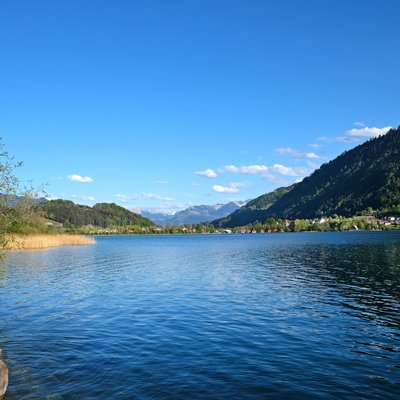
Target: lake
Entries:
(277, 316)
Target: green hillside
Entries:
(103, 215)
(254, 210)
(367, 176)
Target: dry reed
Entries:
(37, 242)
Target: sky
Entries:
(163, 104)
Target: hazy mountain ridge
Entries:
(14, 200)
(367, 176)
(157, 217)
(253, 210)
(194, 214)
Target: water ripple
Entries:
(289, 316)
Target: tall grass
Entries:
(43, 241)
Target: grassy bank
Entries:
(43, 241)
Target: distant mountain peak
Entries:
(193, 214)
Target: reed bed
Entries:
(42, 241)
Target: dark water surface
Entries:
(278, 316)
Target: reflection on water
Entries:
(309, 315)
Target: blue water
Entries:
(277, 316)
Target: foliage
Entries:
(15, 216)
(104, 215)
(336, 223)
(389, 211)
(364, 178)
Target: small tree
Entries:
(16, 215)
(8, 189)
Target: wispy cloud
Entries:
(82, 198)
(246, 169)
(155, 196)
(288, 171)
(265, 170)
(231, 188)
(316, 146)
(79, 178)
(145, 195)
(313, 165)
(326, 139)
(122, 198)
(288, 151)
(277, 179)
(161, 182)
(207, 173)
(356, 134)
(164, 208)
(277, 173)
(359, 124)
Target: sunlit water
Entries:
(278, 316)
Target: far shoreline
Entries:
(31, 242)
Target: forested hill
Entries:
(254, 210)
(103, 215)
(367, 176)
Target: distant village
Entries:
(272, 225)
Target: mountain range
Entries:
(194, 214)
(366, 177)
(13, 200)
(362, 179)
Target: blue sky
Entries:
(164, 104)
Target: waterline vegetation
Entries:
(22, 224)
(45, 241)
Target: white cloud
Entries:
(125, 199)
(288, 171)
(316, 146)
(79, 178)
(288, 151)
(145, 195)
(247, 169)
(208, 173)
(272, 174)
(122, 198)
(231, 188)
(313, 165)
(82, 198)
(359, 124)
(356, 134)
(155, 196)
(161, 182)
(274, 179)
(367, 132)
(164, 208)
(190, 195)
